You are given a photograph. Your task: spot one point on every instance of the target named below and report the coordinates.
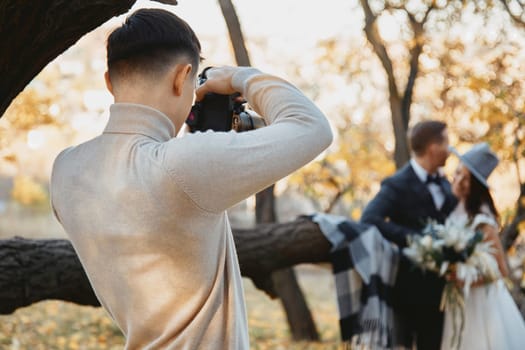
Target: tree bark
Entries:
(35, 270)
(33, 33)
(401, 152)
(399, 103)
(282, 283)
(234, 29)
(510, 231)
(517, 17)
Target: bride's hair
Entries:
(478, 197)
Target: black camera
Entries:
(221, 113)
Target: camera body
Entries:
(221, 113)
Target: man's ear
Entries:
(180, 74)
(108, 82)
(432, 148)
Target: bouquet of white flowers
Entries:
(457, 253)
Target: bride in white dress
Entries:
(492, 319)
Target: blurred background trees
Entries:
(395, 63)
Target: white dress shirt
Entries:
(435, 190)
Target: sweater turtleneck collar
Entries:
(129, 118)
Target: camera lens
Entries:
(244, 122)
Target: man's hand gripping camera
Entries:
(222, 112)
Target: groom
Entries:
(406, 201)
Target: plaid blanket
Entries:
(364, 267)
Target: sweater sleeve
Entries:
(219, 169)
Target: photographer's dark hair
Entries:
(478, 196)
(149, 41)
(424, 133)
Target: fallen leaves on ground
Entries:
(60, 325)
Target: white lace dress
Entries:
(492, 319)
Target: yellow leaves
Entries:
(47, 327)
(349, 171)
(61, 341)
(59, 325)
(10, 158)
(26, 191)
(75, 340)
(102, 339)
(267, 321)
(28, 110)
(478, 83)
(356, 213)
(521, 225)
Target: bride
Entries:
(492, 319)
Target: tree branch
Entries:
(518, 20)
(35, 270)
(234, 29)
(402, 153)
(373, 37)
(33, 33)
(415, 52)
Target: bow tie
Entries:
(433, 179)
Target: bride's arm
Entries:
(491, 235)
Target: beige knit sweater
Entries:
(146, 212)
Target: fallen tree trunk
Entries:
(35, 270)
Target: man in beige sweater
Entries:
(146, 211)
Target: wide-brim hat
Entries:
(479, 160)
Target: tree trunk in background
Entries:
(510, 232)
(234, 29)
(516, 11)
(283, 282)
(401, 152)
(302, 325)
(399, 103)
(35, 270)
(508, 236)
(33, 33)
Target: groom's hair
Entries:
(425, 133)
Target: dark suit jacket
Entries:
(403, 207)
